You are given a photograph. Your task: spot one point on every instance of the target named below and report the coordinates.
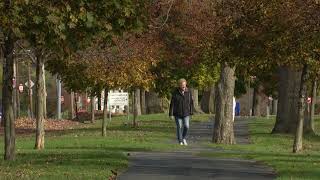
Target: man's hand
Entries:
(172, 117)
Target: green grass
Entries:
(201, 118)
(83, 153)
(276, 151)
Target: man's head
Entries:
(182, 84)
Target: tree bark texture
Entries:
(223, 126)
(92, 109)
(136, 106)
(99, 101)
(195, 94)
(58, 83)
(30, 92)
(208, 100)
(154, 103)
(44, 91)
(257, 100)
(288, 93)
(105, 113)
(15, 105)
(39, 102)
(72, 111)
(297, 145)
(18, 92)
(274, 106)
(143, 101)
(309, 119)
(7, 99)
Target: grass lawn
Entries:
(82, 153)
(276, 151)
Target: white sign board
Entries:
(31, 84)
(118, 99)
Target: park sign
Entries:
(118, 98)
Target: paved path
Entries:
(184, 165)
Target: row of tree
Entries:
(263, 37)
(55, 30)
(217, 44)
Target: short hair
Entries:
(182, 80)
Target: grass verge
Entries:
(275, 150)
(82, 153)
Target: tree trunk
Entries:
(76, 105)
(309, 119)
(86, 102)
(195, 95)
(2, 59)
(223, 126)
(39, 103)
(257, 100)
(212, 99)
(72, 114)
(8, 114)
(274, 106)
(207, 100)
(99, 101)
(44, 92)
(15, 88)
(288, 93)
(137, 101)
(30, 92)
(105, 113)
(58, 98)
(153, 103)
(143, 101)
(136, 106)
(297, 145)
(92, 109)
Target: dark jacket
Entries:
(181, 105)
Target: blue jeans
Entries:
(182, 127)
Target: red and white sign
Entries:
(309, 100)
(20, 88)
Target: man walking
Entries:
(181, 108)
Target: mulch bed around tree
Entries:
(26, 125)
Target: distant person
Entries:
(181, 108)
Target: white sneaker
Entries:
(185, 142)
(181, 143)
